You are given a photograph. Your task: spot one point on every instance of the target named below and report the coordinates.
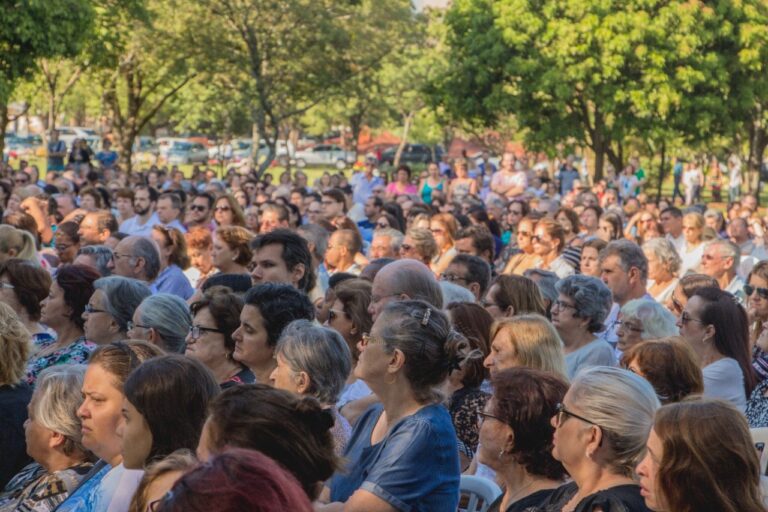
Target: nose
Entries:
(488, 361)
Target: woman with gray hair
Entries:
(600, 432)
(582, 305)
(663, 268)
(316, 361)
(111, 307)
(162, 319)
(53, 441)
(644, 319)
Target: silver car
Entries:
(325, 154)
(182, 152)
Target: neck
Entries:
(637, 293)
(67, 333)
(114, 460)
(145, 218)
(663, 281)
(725, 280)
(32, 327)
(549, 257)
(223, 369)
(57, 461)
(707, 353)
(519, 484)
(263, 372)
(577, 339)
(397, 399)
(344, 265)
(591, 477)
(233, 268)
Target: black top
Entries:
(622, 498)
(13, 446)
(528, 504)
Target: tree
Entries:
(593, 73)
(28, 35)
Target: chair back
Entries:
(477, 493)
(760, 438)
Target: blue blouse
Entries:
(414, 468)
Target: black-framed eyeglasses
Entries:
(685, 318)
(628, 326)
(563, 414)
(222, 208)
(197, 208)
(452, 278)
(563, 305)
(197, 330)
(761, 292)
(487, 303)
(130, 325)
(90, 309)
(482, 416)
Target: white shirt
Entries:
(678, 242)
(692, 259)
(724, 379)
(132, 226)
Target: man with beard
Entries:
(144, 201)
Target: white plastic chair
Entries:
(480, 493)
(760, 438)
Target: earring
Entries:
(501, 453)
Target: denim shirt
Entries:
(415, 468)
(172, 280)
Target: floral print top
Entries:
(76, 352)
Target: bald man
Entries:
(403, 280)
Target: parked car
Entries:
(68, 134)
(325, 154)
(185, 152)
(413, 154)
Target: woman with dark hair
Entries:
(403, 451)
(295, 431)
(110, 485)
(62, 310)
(227, 212)
(215, 318)
(569, 220)
(67, 242)
(756, 291)
(549, 244)
(233, 481)
(669, 364)
(401, 185)
(609, 227)
(23, 285)
(511, 295)
(387, 220)
(516, 437)
(685, 289)
(462, 387)
(166, 403)
(700, 456)
(173, 262)
(715, 326)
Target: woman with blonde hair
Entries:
(159, 478)
(549, 244)
(15, 394)
(443, 227)
(693, 252)
(231, 249)
(511, 295)
(16, 243)
(526, 340)
(227, 212)
(663, 268)
(700, 456)
(419, 244)
(526, 258)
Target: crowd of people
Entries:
(173, 343)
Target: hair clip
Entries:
(425, 319)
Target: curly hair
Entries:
(526, 399)
(238, 239)
(15, 346)
(592, 297)
(279, 304)
(225, 307)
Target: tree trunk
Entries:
(356, 126)
(761, 141)
(255, 143)
(408, 121)
(3, 123)
(662, 169)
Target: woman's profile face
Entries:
(137, 438)
(101, 413)
(605, 231)
(648, 470)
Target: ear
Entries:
(509, 442)
(475, 289)
(55, 439)
(303, 382)
(396, 361)
(154, 338)
(594, 439)
(709, 331)
(12, 252)
(509, 312)
(298, 272)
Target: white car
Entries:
(68, 134)
(186, 152)
(325, 154)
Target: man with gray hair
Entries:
(386, 244)
(403, 280)
(721, 260)
(99, 257)
(137, 257)
(624, 270)
(164, 320)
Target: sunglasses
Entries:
(197, 208)
(524, 234)
(222, 208)
(685, 318)
(761, 292)
(382, 225)
(406, 247)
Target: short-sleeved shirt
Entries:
(76, 352)
(724, 379)
(415, 468)
(621, 498)
(172, 280)
(594, 353)
(567, 177)
(56, 163)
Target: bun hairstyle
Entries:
(431, 346)
(293, 430)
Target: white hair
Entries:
(657, 321)
(453, 292)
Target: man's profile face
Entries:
(466, 246)
(268, 266)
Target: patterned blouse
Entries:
(465, 405)
(76, 352)
(36, 490)
(757, 406)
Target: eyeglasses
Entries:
(21, 180)
(628, 326)
(197, 208)
(314, 212)
(117, 256)
(382, 225)
(222, 208)
(90, 309)
(563, 305)
(131, 326)
(482, 416)
(406, 247)
(488, 304)
(563, 414)
(452, 278)
(197, 330)
(516, 212)
(524, 234)
(370, 340)
(685, 318)
(8, 286)
(761, 292)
